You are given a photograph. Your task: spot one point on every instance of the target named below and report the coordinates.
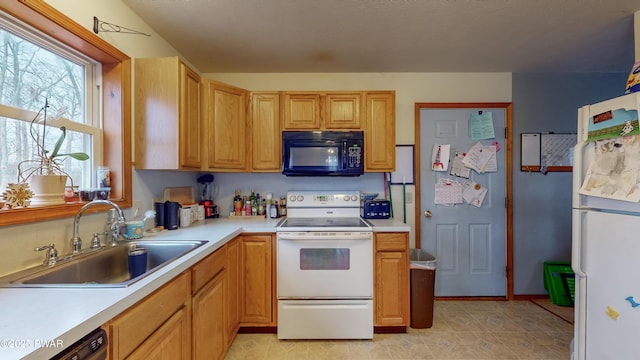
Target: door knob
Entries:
(428, 214)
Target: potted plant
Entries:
(44, 173)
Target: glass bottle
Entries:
(253, 203)
(237, 203)
(261, 207)
(247, 208)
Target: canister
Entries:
(171, 210)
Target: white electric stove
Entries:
(325, 268)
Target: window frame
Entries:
(116, 104)
(94, 132)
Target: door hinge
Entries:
(506, 203)
(506, 271)
(505, 133)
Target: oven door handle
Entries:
(322, 236)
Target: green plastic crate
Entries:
(569, 281)
(559, 282)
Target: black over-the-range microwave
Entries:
(322, 153)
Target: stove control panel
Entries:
(320, 199)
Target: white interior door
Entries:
(468, 241)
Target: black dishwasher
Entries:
(90, 347)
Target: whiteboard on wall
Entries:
(530, 151)
(547, 152)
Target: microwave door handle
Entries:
(344, 154)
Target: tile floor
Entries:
(461, 330)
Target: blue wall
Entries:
(542, 203)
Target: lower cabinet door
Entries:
(169, 342)
(209, 330)
(391, 289)
(256, 280)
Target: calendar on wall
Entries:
(547, 152)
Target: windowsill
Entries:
(43, 213)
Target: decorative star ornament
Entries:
(18, 195)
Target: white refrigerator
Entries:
(606, 231)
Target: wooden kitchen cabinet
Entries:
(197, 315)
(266, 141)
(342, 111)
(333, 110)
(169, 342)
(391, 280)
(167, 115)
(257, 271)
(226, 130)
(209, 330)
(209, 301)
(301, 111)
(233, 290)
(159, 325)
(380, 131)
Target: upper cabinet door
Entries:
(342, 111)
(301, 111)
(226, 137)
(167, 115)
(266, 140)
(380, 131)
(190, 124)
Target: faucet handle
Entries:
(51, 256)
(95, 241)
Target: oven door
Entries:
(325, 265)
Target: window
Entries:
(106, 80)
(43, 79)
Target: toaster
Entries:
(376, 209)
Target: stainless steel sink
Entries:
(105, 267)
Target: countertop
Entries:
(38, 323)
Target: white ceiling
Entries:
(271, 36)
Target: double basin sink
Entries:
(103, 267)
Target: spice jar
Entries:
(247, 208)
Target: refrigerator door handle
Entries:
(580, 328)
(576, 242)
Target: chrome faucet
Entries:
(76, 242)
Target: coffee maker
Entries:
(205, 188)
